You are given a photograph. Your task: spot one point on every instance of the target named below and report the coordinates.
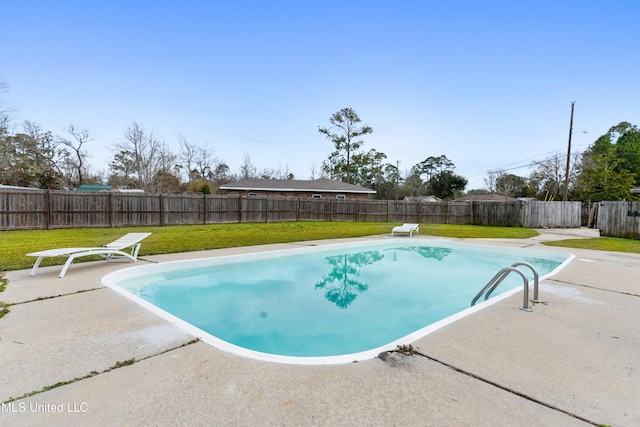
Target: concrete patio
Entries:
(571, 362)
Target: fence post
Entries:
(161, 202)
(446, 213)
(473, 220)
(388, 211)
(47, 216)
(204, 209)
(110, 209)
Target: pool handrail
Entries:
(501, 275)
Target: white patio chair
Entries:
(110, 251)
(406, 228)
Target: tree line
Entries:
(607, 170)
(349, 163)
(34, 157)
(142, 160)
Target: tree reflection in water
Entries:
(429, 252)
(341, 284)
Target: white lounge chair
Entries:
(406, 228)
(111, 251)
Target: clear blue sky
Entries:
(489, 84)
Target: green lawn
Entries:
(600, 244)
(185, 238)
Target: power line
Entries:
(528, 165)
(539, 162)
(527, 159)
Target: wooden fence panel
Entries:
(538, 214)
(23, 210)
(459, 213)
(401, 211)
(315, 210)
(345, 210)
(130, 210)
(253, 209)
(505, 214)
(434, 212)
(180, 209)
(619, 219)
(282, 210)
(73, 210)
(373, 210)
(222, 210)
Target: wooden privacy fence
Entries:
(538, 214)
(48, 209)
(619, 219)
(530, 214)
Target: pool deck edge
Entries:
(572, 361)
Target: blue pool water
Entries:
(327, 301)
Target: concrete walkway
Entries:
(571, 362)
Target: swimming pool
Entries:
(326, 304)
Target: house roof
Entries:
(90, 188)
(317, 185)
(485, 198)
(422, 199)
(15, 187)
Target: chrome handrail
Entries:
(501, 275)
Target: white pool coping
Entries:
(111, 281)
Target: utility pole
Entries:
(566, 175)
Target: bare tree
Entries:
(164, 181)
(187, 154)
(491, 178)
(284, 172)
(205, 162)
(199, 161)
(74, 162)
(279, 173)
(247, 168)
(4, 116)
(139, 158)
(548, 177)
(313, 171)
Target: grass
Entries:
(610, 244)
(186, 238)
(476, 231)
